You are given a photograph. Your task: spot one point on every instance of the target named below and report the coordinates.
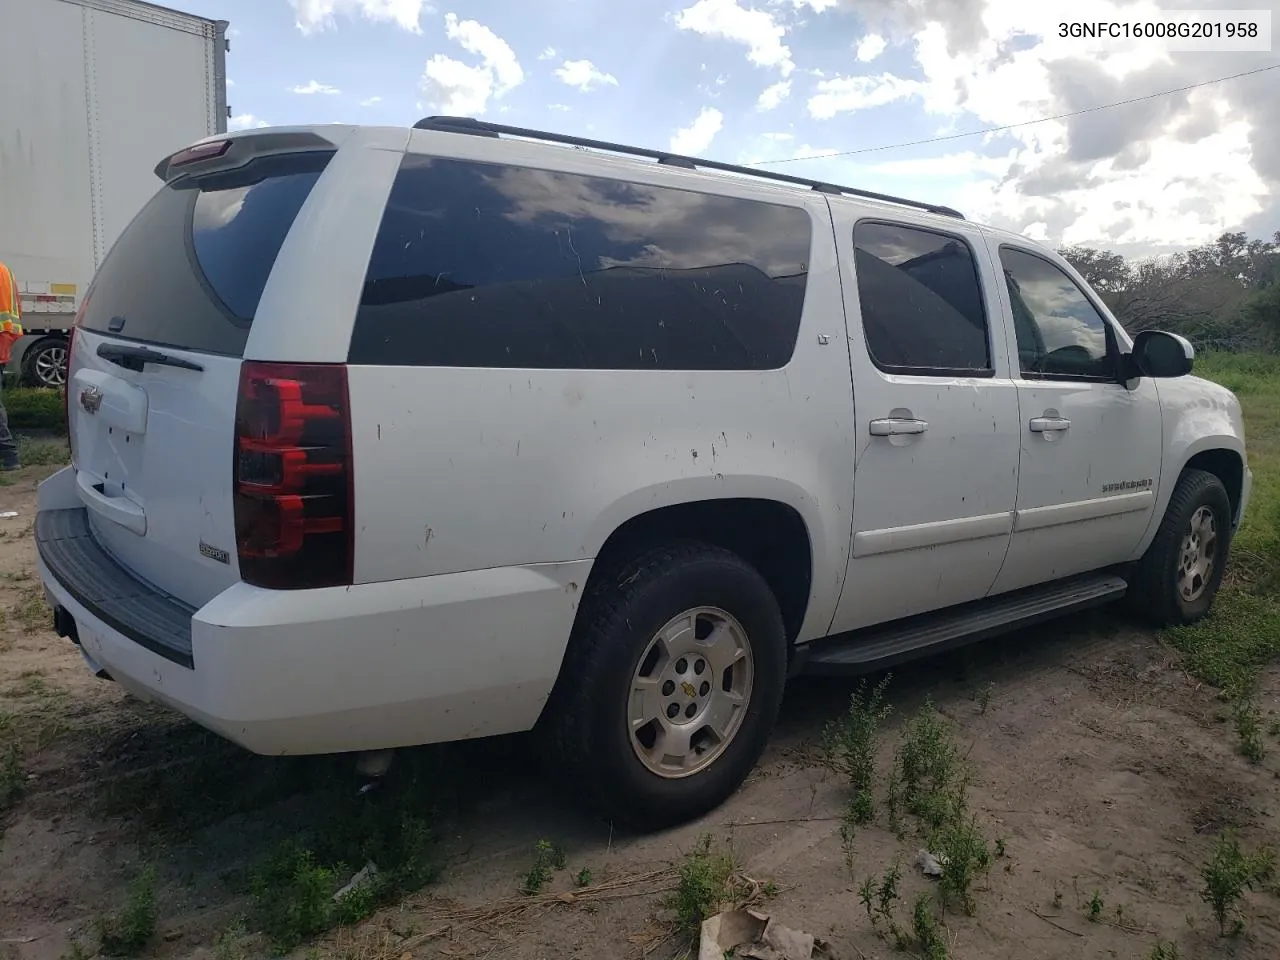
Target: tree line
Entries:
(1223, 295)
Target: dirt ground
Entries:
(1103, 768)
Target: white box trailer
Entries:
(93, 93)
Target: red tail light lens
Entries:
(293, 503)
(66, 386)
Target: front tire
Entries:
(671, 684)
(1178, 577)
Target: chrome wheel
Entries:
(50, 366)
(690, 692)
(1199, 547)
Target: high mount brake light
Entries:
(201, 151)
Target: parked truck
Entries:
(95, 92)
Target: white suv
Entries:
(386, 437)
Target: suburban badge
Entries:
(214, 553)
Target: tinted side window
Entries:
(482, 265)
(1060, 333)
(191, 267)
(922, 307)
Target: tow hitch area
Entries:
(64, 625)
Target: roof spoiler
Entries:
(215, 154)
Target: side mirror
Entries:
(1159, 354)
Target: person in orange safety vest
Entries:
(10, 333)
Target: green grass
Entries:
(12, 780)
(706, 885)
(1228, 874)
(850, 745)
(128, 933)
(292, 890)
(35, 452)
(548, 859)
(1230, 647)
(35, 409)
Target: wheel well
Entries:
(769, 535)
(1227, 466)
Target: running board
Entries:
(885, 645)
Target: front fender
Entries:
(1199, 417)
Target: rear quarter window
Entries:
(483, 265)
(190, 269)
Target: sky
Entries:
(773, 82)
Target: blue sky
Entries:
(773, 80)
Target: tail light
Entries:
(293, 482)
(66, 385)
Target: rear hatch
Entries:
(156, 363)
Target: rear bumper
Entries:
(322, 671)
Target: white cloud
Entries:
(454, 87)
(772, 96)
(230, 82)
(314, 86)
(847, 94)
(548, 54)
(696, 137)
(245, 121)
(1170, 171)
(314, 16)
(583, 74)
(870, 47)
(370, 101)
(817, 6)
(559, 107)
(476, 38)
(755, 29)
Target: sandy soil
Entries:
(1100, 763)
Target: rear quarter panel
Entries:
(463, 469)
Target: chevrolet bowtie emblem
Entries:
(91, 399)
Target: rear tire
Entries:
(671, 684)
(1178, 577)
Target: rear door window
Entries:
(190, 269)
(484, 265)
(922, 303)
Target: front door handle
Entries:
(897, 426)
(1049, 424)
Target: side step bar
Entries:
(882, 646)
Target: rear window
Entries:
(485, 265)
(190, 269)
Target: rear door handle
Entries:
(1049, 424)
(894, 427)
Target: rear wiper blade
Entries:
(135, 358)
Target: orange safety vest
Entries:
(10, 313)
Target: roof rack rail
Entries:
(483, 128)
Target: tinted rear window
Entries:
(483, 265)
(190, 269)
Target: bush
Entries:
(35, 409)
